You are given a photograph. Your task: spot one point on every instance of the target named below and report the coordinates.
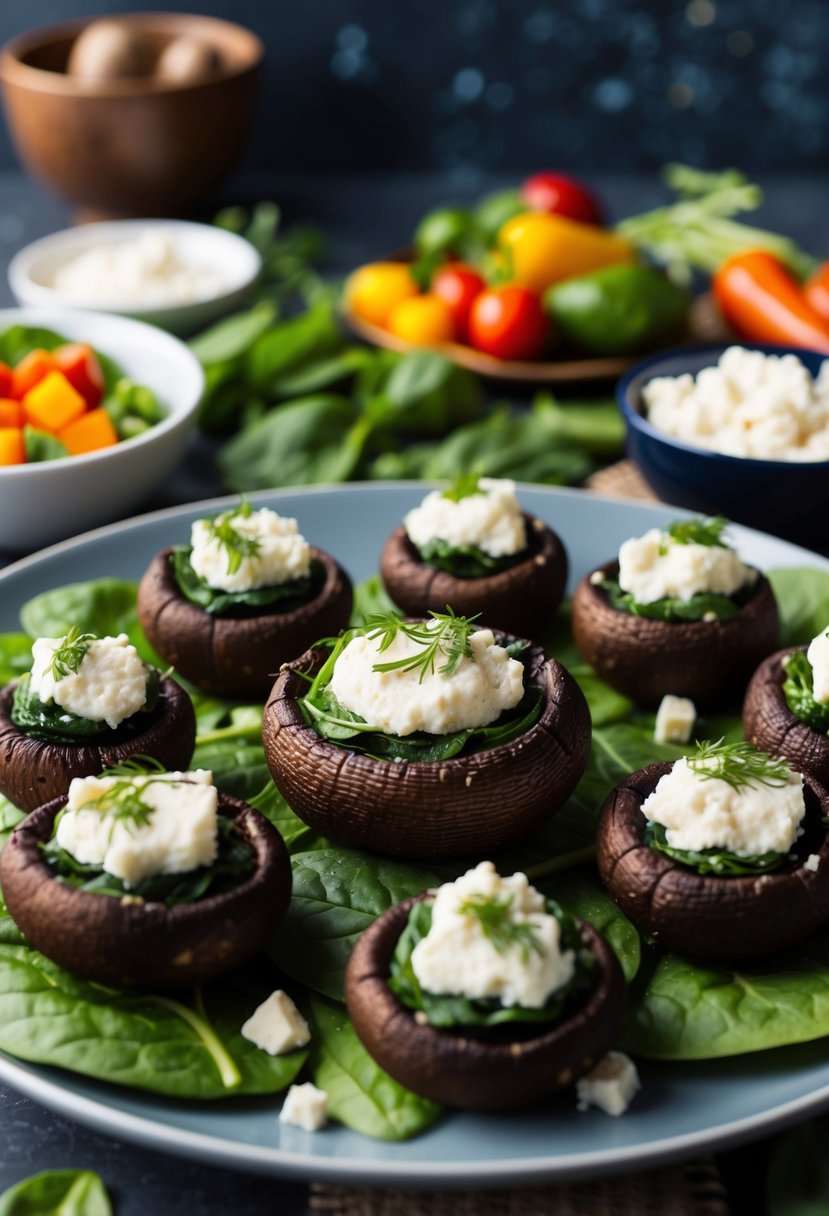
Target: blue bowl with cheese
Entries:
(786, 497)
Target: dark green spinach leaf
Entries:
(283, 597)
(702, 604)
(57, 1193)
(799, 692)
(714, 860)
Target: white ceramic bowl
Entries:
(47, 501)
(32, 270)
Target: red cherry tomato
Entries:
(555, 194)
(458, 285)
(508, 322)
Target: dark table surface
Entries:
(364, 216)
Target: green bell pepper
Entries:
(618, 310)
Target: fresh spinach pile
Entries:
(281, 598)
(185, 1048)
(702, 605)
(57, 1193)
(799, 692)
(464, 561)
(715, 861)
(53, 723)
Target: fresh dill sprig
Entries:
(463, 487)
(737, 764)
(708, 532)
(493, 915)
(124, 801)
(138, 765)
(69, 653)
(445, 636)
(235, 544)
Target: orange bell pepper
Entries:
(539, 250)
(11, 412)
(31, 369)
(80, 366)
(816, 291)
(763, 302)
(53, 403)
(89, 433)
(12, 450)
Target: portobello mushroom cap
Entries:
(522, 599)
(704, 916)
(464, 806)
(458, 1069)
(129, 944)
(708, 661)
(236, 656)
(33, 771)
(769, 724)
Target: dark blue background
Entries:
(462, 85)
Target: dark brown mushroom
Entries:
(459, 1069)
(429, 810)
(769, 724)
(705, 916)
(145, 945)
(33, 771)
(237, 656)
(708, 661)
(522, 599)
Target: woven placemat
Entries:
(691, 1189)
(621, 480)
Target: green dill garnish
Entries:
(737, 764)
(493, 915)
(463, 487)
(124, 800)
(708, 532)
(444, 636)
(235, 544)
(138, 765)
(69, 653)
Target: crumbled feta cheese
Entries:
(655, 567)
(675, 720)
(145, 271)
(490, 520)
(109, 685)
(456, 958)
(281, 553)
(399, 702)
(610, 1085)
(276, 1026)
(818, 656)
(812, 862)
(305, 1106)
(749, 404)
(180, 833)
(706, 812)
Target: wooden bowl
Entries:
(131, 146)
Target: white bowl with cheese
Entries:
(175, 274)
(50, 500)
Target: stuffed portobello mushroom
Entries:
(88, 703)
(472, 547)
(678, 613)
(483, 995)
(786, 707)
(245, 596)
(144, 878)
(426, 739)
(722, 856)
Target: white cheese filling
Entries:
(706, 812)
(180, 832)
(456, 958)
(109, 685)
(489, 520)
(818, 656)
(276, 1026)
(305, 1106)
(750, 404)
(279, 553)
(611, 1084)
(675, 720)
(655, 567)
(400, 702)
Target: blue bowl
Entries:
(787, 498)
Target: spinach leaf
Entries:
(464, 561)
(229, 743)
(370, 597)
(616, 751)
(713, 860)
(15, 656)
(233, 336)
(700, 605)
(799, 691)
(685, 1012)
(198, 591)
(585, 897)
(55, 724)
(798, 1176)
(57, 1193)
(322, 373)
(337, 893)
(297, 835)
(360, 1094)
(40, 445)
(280, 349)
(10, 816)
(803, 602)
(105, 606)
(596, 427)
(425, 393)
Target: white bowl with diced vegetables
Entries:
(152, 387)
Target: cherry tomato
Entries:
(458, 285)
(555, 194)
(508, 322)
(372, 291)
(423, 321)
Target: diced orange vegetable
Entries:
(11, 412)
(11, 446)
(80, 366)
(31, 369)
(53, 403)
(89, 433)
(5, 380)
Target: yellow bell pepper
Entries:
(541, 249)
